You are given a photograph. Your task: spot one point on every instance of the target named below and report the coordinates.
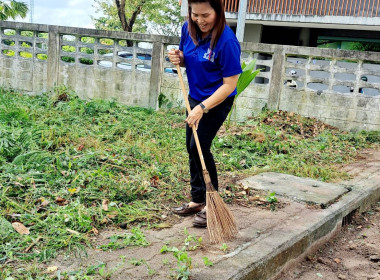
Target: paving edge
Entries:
(270, 264)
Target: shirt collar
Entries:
(204, 40)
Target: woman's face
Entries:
(204, 16)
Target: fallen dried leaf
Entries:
(227, 192)
(45, 203)
(105, 203)
(61, 201)
(20, 228)
(154, 181)
(254, 198)
(242, 193)
(51, 269)
(95, 231)
(337, 260)
(73, 231)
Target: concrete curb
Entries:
(266, 257)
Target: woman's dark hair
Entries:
(220, 21)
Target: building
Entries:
(333, 23)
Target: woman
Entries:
(211, 54)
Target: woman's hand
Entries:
(175, 57)
(194, 117)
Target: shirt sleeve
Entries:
(230, 58)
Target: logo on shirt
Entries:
(209, 55)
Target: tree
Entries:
(12, 9)
(152, 16)
(165, 18)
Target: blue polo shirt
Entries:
(205, 71)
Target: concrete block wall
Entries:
(339, 87)
(29, 74)
(127, 67)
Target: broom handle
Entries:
(188, 111)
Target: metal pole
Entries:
(184, 8)
(31, 10)
(241, 20)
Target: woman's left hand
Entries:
(194, 117)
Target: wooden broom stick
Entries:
(221, 224)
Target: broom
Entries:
(221, 224)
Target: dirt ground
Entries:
(354, 253)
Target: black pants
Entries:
(207, 129)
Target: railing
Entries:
(354, 8)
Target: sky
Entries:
(75, 13)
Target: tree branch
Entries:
(135, 14)
(121, 13)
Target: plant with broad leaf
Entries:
(245, 78)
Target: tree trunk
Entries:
(121, 13)
(128, 25)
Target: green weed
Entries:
(136, 238)
(60, 157)
(271, 198)
(224, 247)
(184, 261)
(207, 262)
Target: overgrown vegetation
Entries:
(61, 158)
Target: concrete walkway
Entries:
(268, 241)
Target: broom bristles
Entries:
(221, 224)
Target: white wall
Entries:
(252, 33)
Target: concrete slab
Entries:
(297, 188)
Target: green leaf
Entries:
(164, 249)
(249, 67)
(207, 262)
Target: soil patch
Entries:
(355, 251)
(353, 254)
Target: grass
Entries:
(61, 157)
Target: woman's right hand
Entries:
(175, 56)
